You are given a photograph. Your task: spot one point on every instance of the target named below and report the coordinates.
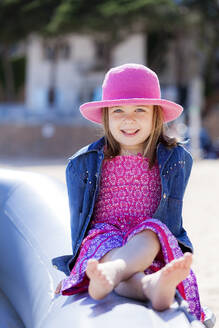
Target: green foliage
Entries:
(126, 7)
(208, 11)
(107, 15)
(113, 19)
(18, 18)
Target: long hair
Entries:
(150, 145)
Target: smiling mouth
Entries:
(130, 132)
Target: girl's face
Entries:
(131, 125)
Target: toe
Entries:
(92, 264)
(188, 258)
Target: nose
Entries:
(129, 117)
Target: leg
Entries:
(158, 287)
(121, 263)
(132, 287)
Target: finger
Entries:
(58, 288)
(57, 291)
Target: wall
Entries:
(46, 140)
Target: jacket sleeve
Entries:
(187, 167)
(62, 263)
(69, 183)
(75, 199)
(183, 239)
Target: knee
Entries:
(152, 238)
(109, 255)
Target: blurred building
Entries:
(66, 71)
(63, 73)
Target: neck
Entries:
(125, 152)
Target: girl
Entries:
(125, 195)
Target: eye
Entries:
(139, 109)
(117, 110)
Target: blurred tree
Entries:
(108, 20)
(208, 11)
(18, 18)
(111, 20)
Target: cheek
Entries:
(147, 126)
(112, 128)
(113, 125)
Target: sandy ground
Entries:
(201, 219)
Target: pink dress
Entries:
(128, 197)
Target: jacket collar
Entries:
(97, 145)
(163, 153)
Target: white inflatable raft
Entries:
(34, 228)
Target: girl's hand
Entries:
(58, 288)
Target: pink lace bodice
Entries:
(128, 189)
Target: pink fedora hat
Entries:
(130, 84)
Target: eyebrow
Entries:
(136, 106)
(143, 106)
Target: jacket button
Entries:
(55, 266)
(164, 195)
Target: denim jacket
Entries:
(83, 177)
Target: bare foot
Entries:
(103, 277)
(160, 287)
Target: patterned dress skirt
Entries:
(103, 237)
(129, 195)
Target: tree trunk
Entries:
(8, 74)
(53, 76)
(109, 46)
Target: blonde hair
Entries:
(157, 135)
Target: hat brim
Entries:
(92, 111)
